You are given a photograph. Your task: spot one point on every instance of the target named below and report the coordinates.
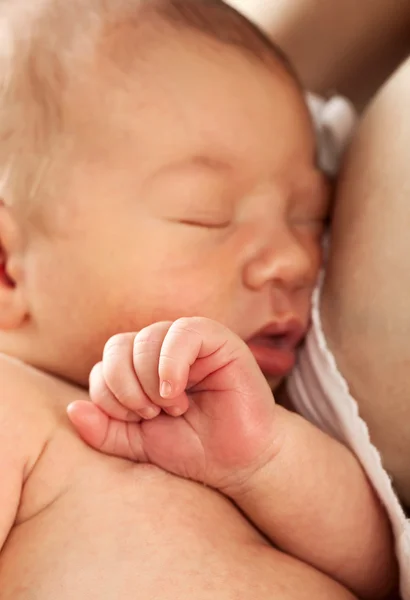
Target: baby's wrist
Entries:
(260, 476)
(244, 485)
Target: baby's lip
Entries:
(274, 347)
(285, 334)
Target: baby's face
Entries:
(194, 192)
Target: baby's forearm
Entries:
(313, 501)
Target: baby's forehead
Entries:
(58, 57)
(82, 82)
(187, 93)
(131, 33)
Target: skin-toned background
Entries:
(337, 46)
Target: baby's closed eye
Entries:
(204, 220)
(199, 201)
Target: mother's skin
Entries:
(366, 298)
(366, 314)
(351, 47)
(337, 45)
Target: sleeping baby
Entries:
(162, 207)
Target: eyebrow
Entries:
(204, 161)
(215, 164)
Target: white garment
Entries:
(321, 394)
(335, 121)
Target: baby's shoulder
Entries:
(29, 411)
(21, 388)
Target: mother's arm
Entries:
(348, 46)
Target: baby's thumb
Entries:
(90, 423)
(107, 435)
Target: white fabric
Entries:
(335, 121)
(320, 393)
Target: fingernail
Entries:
(149, 413)
(175, 411)
(166, 389)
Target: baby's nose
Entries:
(285, 261)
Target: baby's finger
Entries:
(121, 378)
(193, 349)
(104, 434)
(147, 350)
(102, 397)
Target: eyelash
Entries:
(205, 225)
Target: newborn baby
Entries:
(158, 162)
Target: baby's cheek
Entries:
(187, 299)
(198, 290)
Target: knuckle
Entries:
(144, 349)
(188, 325)
(167, 358)
(110, 364)
(150, 339)
(97, 385)
(95, 373)
(115, 346)
(115, 377)
(100, 395)
(198, 324)
(189, 322)
(128, 398)
(154, 332)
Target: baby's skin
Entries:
(78, 524)
(189, 397)
(151, 173)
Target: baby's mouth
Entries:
(274, 348)
(280, 341)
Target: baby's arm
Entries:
(314, 501)
(24, 427)
(305, 491)
(12, 466)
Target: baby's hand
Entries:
(186, 396)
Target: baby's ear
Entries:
(13, 308)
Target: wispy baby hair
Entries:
(45, 44)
